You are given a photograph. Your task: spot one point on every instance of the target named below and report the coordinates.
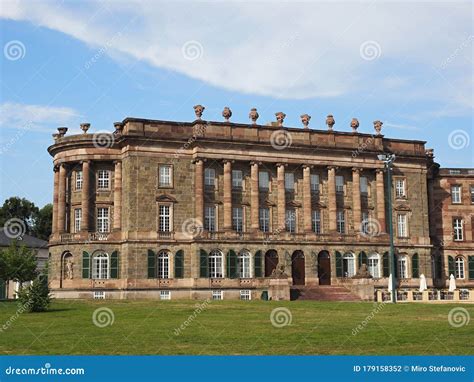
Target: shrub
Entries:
(35, 297)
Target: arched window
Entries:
(374, 265)
(459, 268)
(100, 266)
(216, 264)
(348, 265)
(163, 265)
(402, 267)
(244, 264)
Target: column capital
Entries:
(357, 169)
(253, 162)
(196, 160)
(307, 166)
(335, 168)
(228, 161)
(282, 164)
(379, 170)
(88, 161)
(55, 168)
(117, 161)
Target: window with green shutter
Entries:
(258, 264)
(386, 265)
(151, 264)
(86, 265)
(231, 264)
(470, 263)
(203, 264)
(114, 265)
(338, 264)
(415, 269)
(362, 258)
(450, 266)
(179, 264)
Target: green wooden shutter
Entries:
(179, 264)
(362, 259)
(203, 264)
(114, 265)
(86, 265)
(231, 264)
(386, 265)
(470, 262)
(415, 270)
(258, 264)
(151, 264)
(396, 266)
(450, 266)
(338, 264)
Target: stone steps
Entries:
(323, 293)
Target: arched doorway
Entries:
(324, 268)
(271, 262)
(297, 268)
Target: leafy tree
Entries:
(44, 222)
(35, 297)
(19, 208)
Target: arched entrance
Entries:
(324, 268)
(297, 268)
(271, 262)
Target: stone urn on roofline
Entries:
(227, 113)
(378, 127)
(253, 115)
(354, 125)
(198, 110)
(330, 121)
(305, 118)
(280, 117)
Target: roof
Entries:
(27, 240)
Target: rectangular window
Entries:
(402, 225)
(164, 213)
(209, 177)
(402, 267)
(103, 179)
(210, 218)
(314, 183)
(236, 179)
(458, 230)
(339, 183)
(263, 180)
(103, 220)
(99, 295)
(472, 194)
(364, 186)
(264, 219)
(165, 295)
(456, 194)
(290, 220)
(316, 221)
(341, 222)
(365, 223)
(289, 181)
(237, 219)
(166, 176)
(217, 295)
(245, 295)
(77, 219)
(459, 268)
(78, 180)
(400, 188)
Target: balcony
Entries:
(98, 236)
(162, 235)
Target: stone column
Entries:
(199, 190)
(62, 199)
(254, 204)
(332, 206)
(85, 196)
(227, 195)
(380, 199)
(356, 209)
(118, 196)
(54, 227)
(307, 198)
(281, 196)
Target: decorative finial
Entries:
(429, 153)
(227, 113)
(62, 131)
(55, 136)
(280, 116)
(118, 126)
(305, 118)
(378, 126)
(330, 121)
(354, 125)
(198, 109)
(253, 115)
(85, 127)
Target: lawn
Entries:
(234, 327)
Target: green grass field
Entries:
(234, 327)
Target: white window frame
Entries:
(339, 184)
(79, 180)
(263, 178)
(216, 265)
(103, 180)
(103, 219)
(209, 177)
(316, 221)
(245, 295)
(238, 219)
(99, 295)
(77, 219)
(264, 219)
(210, 217)
(290, 220)
(456, 194)
(341, 221)
(459, 268)
(351, 264)
(314, 181)
(289, 181)
(100, 266)
(244, 261)
(402, 263)
(165, 217)
(364, 224)
(373, 265)
(165, 175)
(165, 295)
(237, 178)
(400, 188)
(458, 229)
(364, 185)
(402, 225)
(217, 295)
(163, 265)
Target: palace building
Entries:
(223, 210)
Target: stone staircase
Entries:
(323, 293)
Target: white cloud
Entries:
(35, 117)
(282, 49)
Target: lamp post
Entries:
(388, 160)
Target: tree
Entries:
(19, 208)
(35, 297)
(44, 222)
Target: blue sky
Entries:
(63, 63)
